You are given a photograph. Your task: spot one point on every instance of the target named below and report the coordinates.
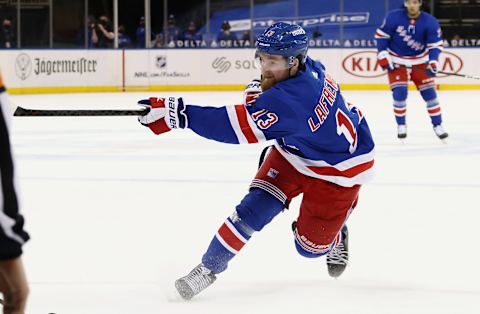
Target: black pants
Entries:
(12, 235)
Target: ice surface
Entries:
(116, 214)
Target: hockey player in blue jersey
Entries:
(322, 148)
(409, 43)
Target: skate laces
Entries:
(199, 278)
(439, 129)
(338, 255)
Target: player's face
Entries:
(413, 7)
(274, 69)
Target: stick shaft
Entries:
(442, 72)
(23, 112)
(460, 75)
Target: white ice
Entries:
(116, 214)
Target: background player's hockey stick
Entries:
(440, 72)
(461, 75)
(22, 112)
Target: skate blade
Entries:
(184, 291)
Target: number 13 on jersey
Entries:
(345, 127)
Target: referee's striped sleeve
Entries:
(12, 234)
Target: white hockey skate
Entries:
(195, 282)
(440, 132)
(402, 131)
(337, 259)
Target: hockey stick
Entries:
(440, 72)
(23, 112)
(461, 75)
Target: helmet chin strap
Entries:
(292, 63)
(290, 72)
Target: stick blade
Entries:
(19, 112)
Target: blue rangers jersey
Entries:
(313, 127)
(410, 41)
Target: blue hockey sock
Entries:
(433, 105)
(256, 210)
(399, 103)
(228, 241)
(400, 110)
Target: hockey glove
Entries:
(165, 114)
(432, 68)
(385, 60)
(251, 92)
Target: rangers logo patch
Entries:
(272, 173)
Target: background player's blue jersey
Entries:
(410, 41)
(313, 127)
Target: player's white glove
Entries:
(165, 114)
(432, 68)
(385, 60)
(251, 92)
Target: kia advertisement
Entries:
(364, 64)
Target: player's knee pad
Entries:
(258, 208)
(400, 93)
(428, 94)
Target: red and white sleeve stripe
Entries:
(245, 128)
(438, 44)
(379, 34)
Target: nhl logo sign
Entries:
(161, 62)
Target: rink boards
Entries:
(56, 71)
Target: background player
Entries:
(409, 43)
(13, 282)
(323, 149)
